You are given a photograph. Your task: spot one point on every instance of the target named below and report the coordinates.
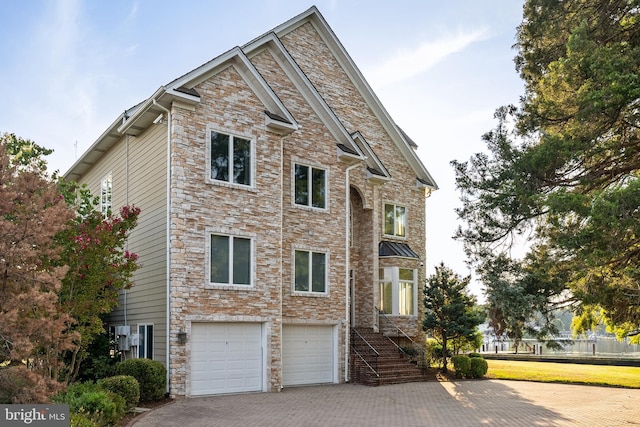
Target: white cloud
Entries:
(407, 64)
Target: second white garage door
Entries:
(226, 358)
(308, 354)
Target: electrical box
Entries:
(123, 343)
(134, 340)
(123, 330)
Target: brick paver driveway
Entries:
(458, 403)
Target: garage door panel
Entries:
(308, 354)
(226, 358)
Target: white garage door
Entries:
(307, 354)
(226, 358)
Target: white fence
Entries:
(600, 346)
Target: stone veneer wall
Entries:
(315, 59)
(199, 207)
(312, 229)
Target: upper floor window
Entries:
(398, 291)
(106, 191)
(395, 220)
(310, 272)
(230, 260)
(310, 186)
(230, 158)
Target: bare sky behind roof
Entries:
(70, 67)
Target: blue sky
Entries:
(441, 68)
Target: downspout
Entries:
(126, 173)
(347, 317)
(281, 250)
(168, 237)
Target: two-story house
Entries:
(281, 206)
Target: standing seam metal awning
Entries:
(396, 249)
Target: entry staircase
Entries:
(378, 360)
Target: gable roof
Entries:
(277, 118)
(303, 85)
(181, 90)
(375, 169)
(400, 139)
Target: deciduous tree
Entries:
(94, 247)
(32, 329)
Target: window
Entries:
(395, 220)
(145, 341)
(310, 186)
(230, 260)
(106, 190)
(398, 291)
(230, 158)
(310, 272)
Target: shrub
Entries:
(409, 350)
(479, 367)
(90, 402)
(81, 420)
(151, 376)
(472, 355)
(462, 365)
(125, 386)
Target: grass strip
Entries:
(568, 373)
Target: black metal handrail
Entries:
(419, 348)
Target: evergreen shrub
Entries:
(462, 365)
(101, 407)
(479, 367)
(151, 376)
(125, 386)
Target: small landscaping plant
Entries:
(479, 367)
(462, 365)
(151, 376)
(125, 386)
(91, 404)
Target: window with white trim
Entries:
(395, 220)
(106, 193)
(310, 186)
(310, 272)
(230, 260)
(145, 341)
(229, 158)
(398, 294)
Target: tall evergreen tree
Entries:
(449, 309)
(562, 168)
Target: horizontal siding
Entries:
(139, 178)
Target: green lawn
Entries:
(614, 376)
